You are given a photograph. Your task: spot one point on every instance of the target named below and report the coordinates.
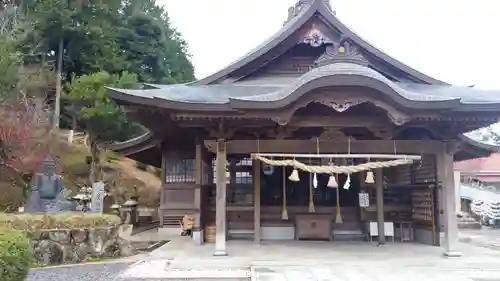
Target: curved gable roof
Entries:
(272, 95)
(317, 7)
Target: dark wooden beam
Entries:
(307, 146)
(299, 121)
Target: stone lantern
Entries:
(130, 208)
(83, 197)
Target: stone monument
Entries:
(47, 191)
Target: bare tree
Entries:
(24, 131)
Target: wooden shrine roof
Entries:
(342, 60)
(276, 92)
(299, 15)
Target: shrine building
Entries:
(314, 134)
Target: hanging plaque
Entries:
(267, 169)
(364, 200)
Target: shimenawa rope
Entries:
(321, 169)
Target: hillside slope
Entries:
(119, 173)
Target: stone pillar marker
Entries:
(446, 177)
(220, 199)
(379, 185)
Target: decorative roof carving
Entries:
(316, 38)
(341, 103)
(344, 51)
(295, 10)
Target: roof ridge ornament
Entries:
(301, 5)
(343, 51)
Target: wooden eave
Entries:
(308, 82)
(317, 8)
(148, 154)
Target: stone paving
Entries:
(159, 269)
(485, 237)
(312, 261)
(352, 273)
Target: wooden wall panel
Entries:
(178, 196)
(287, 65)
(421, 172)
(271, 216)
(296, 62)
(400, 175)
(425, 170)
(240, 219)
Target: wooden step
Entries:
(172, 221)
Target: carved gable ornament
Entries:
(344, 51)
(316, 38)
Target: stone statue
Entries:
(47, 191)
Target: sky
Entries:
(451, 40)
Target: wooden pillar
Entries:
(379, 185)
(362, 185)
(446, 178)
(256, 201)
(220, 200)
(197, 233)
(163, 179)
(458, 201)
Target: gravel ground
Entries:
(485, 237)
(84, 272)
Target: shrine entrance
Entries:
(304, 197)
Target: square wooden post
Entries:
(220, 200)
(458, 201)
(256, 201)
(445, 175)
(163, 179)
(379, 185)
(197, 232)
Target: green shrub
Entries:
(88, 159)
(33, 222)
(111, 158)
(15, 255)
(157, 172)
(141, 166)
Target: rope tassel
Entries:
(311, 196)
(338, 216)
(284, 212)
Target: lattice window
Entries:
(183, 171)
(243, 178)
(243, 172)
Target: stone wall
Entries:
(61, 246)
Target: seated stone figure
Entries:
(187, 225)
(47, 191)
